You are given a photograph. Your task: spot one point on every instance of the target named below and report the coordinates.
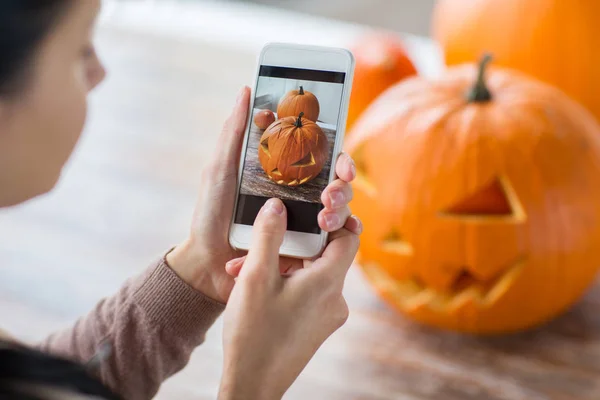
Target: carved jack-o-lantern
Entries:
(293, 150)
(481, 212)
(297, 101)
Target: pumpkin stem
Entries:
(480, 93)
(299, 120)
(301, 91)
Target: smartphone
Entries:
(294, 135)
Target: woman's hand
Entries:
(201, 259)
(274, 324)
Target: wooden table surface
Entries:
(127, 195)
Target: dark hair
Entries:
(23, 26)
(22, 369)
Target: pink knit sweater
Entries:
(146, 332)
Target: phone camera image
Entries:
(290, 144)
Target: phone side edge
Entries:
(233, 242)
(341, 131)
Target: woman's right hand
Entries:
(274, 324)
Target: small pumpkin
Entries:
(556, 41)
(264, 118)
(480, 202)
(296, 101)
(381, 61)
(293, 150)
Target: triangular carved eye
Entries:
(489, 200)
(496, 199)
(307, 161)
(264, 144)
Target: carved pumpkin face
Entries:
(481, 216)
(293, 151)
(297, 101)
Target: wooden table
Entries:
(128, 193)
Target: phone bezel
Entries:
(297, 244)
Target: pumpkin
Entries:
(480, 202)
(264, 118)
(297, 101)
(293, 150)
(381, 61)
(556, 41)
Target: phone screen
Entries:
(291, 157)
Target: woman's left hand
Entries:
(200, 260)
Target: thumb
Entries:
(233, 267)
(230, 141)
(267, 236)
(219, 177)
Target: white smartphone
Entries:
(294, 135)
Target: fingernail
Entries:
(274, 206)
(240, 95)
(352, 165)
(337, 199)
(332, 220)
(359, 225)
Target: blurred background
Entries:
(412, 16)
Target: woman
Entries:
(279, 311)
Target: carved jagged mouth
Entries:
(295, 182)
(412, 295)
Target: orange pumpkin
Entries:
(381, 61)
(297, 101)
(481, 203)
(556, 41)
(293, 150)
(264, 118)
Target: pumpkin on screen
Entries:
(480, 199)
(381, 61)
(556, 41)
(297, 101)
(293, 150)
(264, 118)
